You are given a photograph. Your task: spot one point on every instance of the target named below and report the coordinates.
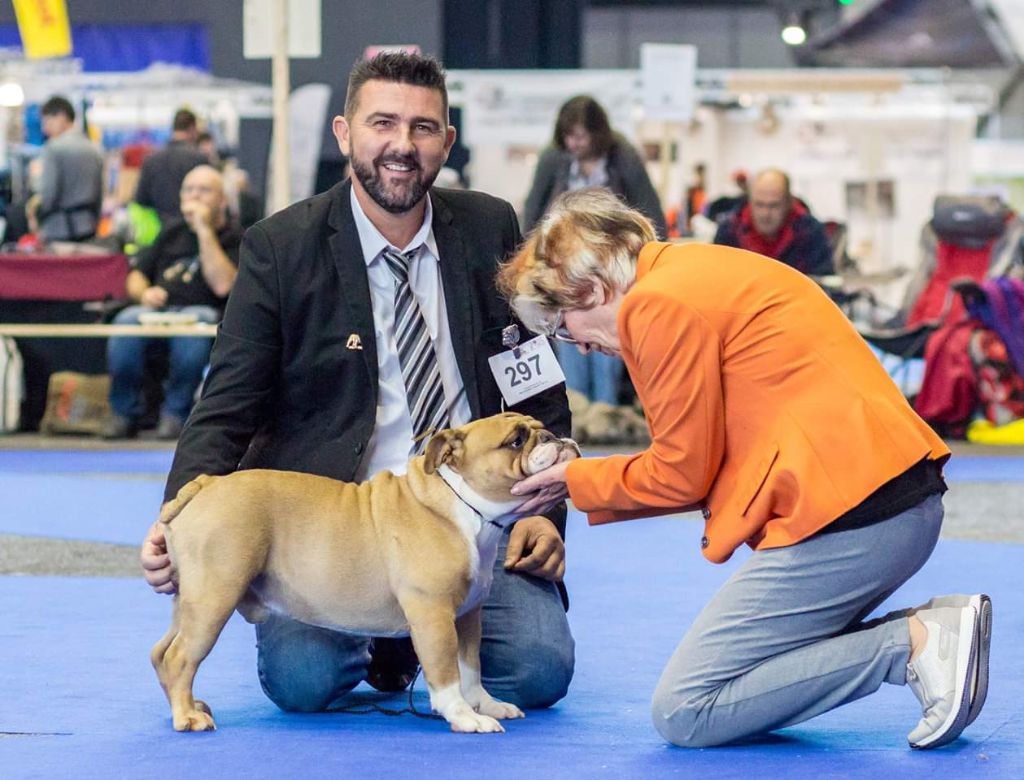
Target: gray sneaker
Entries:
(941, 674)
(169, 427)
(118, 427)
(983, 604)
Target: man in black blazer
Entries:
(300, 379)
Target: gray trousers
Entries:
(783, 641)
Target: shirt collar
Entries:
(373, 243)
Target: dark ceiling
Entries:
(911, 33)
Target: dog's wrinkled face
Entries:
(494, 453)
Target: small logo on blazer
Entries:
(354, 342)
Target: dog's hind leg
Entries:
(469, 629)
(432, 626)
(156, 655)
(199, 621)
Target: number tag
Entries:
(535, 369)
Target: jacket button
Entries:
(704, 542)
(705, 512)
(358, 449)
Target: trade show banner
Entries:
(44, 28)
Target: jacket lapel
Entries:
(459, 303)
(347, 253)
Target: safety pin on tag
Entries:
(510, 339)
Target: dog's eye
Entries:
(518, 442)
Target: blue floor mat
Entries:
(115, 496)
(86, 461)
(101, 508)
(79, 699)
(970, 468)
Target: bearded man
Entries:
(311, 372)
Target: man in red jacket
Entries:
(774, 223)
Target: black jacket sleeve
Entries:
(244, 370)
(550, 406)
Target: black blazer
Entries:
(285, 392)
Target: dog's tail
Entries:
(173, 508)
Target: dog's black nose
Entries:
(545, 436)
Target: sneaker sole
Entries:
(967, 646)
(983, 604)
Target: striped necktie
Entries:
(424, 391)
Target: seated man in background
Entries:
(190, 268)
(66, 205)
(774, 223)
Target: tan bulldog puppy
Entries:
(395, 555)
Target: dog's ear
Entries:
(443, 447)
(570, 450)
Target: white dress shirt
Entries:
(391, 441)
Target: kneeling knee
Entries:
(678, 719)
(291, 696)
(541, 676)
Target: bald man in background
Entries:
(189, 269)
(774, 223)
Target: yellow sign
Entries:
(44, 28)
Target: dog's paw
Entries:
(198, 719)
(500, 709)
(473, 723)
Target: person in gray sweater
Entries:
(586, 152)
(66, 206)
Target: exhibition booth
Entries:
(870, 149)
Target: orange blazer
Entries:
(766, 407)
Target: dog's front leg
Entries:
(432, 626)
(469, 630)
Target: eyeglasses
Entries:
(561, 333)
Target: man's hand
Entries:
(534, 547)
(548, 488)
(197, 214)
(154, 297)
(156, 563)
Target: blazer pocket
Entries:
(759, 475)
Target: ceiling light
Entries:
(11, 94)
(794, 33)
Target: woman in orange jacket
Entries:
(770, 414)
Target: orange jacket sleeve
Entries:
(675, 359)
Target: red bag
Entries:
(949, 390)
(1000, 388)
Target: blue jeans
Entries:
(595, 375)
(187, 357)
(783, 641)
(527, 653)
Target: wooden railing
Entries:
(44, 330)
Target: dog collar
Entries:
(493, 512)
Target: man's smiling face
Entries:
(397, 140)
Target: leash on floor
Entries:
(369, 709)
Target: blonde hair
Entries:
(587, 236)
